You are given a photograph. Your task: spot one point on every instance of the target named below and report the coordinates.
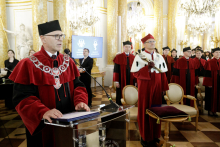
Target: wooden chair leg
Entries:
(169, 126)
(197, 118)
(202, 106)
(166, 132)
(127, 131)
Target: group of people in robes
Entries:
(185, 71)
(47, 85)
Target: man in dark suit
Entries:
(86, 63)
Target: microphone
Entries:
(112, 107)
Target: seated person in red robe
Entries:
(169, 61)
(47, 86)
(184, 74)
(212, 83)
(151, 85)
(122, 75)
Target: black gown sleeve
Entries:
(116, 73)
(176, 72)
(23, 91)
(78, 83)
(116, 68)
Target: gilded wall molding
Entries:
(60, 14)
(112, 13)
(158, 20)
(122, 11)
(3, 39)
(172, 18)
(39, 15)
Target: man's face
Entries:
(85, 53)
(127, 48)
(51, 43)
(166, 52)
(198, 54)
(150, 44)
(216, 54)
(187, 53)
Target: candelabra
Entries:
(215, 40)
(182, 43)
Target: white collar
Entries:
(51, 54)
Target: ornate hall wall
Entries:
(163, 21)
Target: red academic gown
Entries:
(150, 88)
(212, 78)
(122, 73)
(200, 63)
(169, 61)
(30, 106)
(184, 75)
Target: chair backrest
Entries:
(113, 85)
(201, 84)
(130, 94)
(175, 93)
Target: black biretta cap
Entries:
(186, 49)
(48, 27)
(127, 43)
(215, 49)
(164, 48)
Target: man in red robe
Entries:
(169, 61)
(46, 86)
(151, 85)
(212, 83)
(122, 75)
(200, 63)
(184, 74)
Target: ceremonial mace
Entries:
(4, 31)
(144, 58)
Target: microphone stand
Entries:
(112, 107)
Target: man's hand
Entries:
(135, 84)
(210, 86)
(81, 70)
(117, 85)
(53, 113)
(164, 92)
(82, 106)
(6, 69)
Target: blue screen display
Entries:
(94, 44)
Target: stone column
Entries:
(3, 37)
(112, 13)
(172, 17)
(59, 7)
(39, 16)
(158, 20)
(122, 11)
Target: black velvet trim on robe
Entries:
(117, 69)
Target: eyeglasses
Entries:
(57, 36)
(151, 42)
